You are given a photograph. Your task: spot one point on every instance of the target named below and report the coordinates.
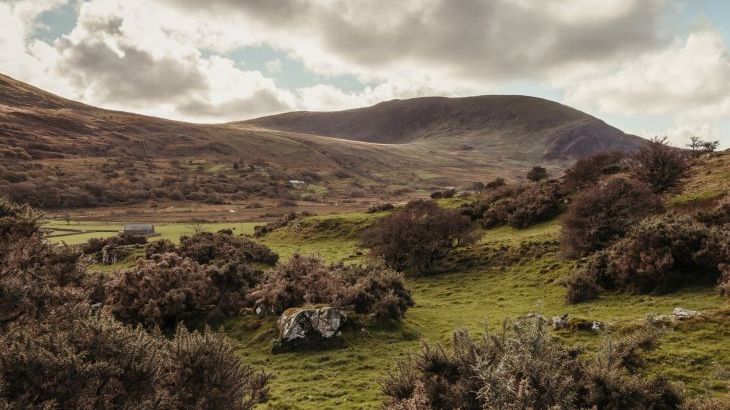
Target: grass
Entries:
(696, 356)
(171, 231)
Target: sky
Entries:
(649, 67)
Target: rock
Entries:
(560, 322)
(681, 313)
(597, 326)
(309, 328)
(109, 254)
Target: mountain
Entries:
(59, 153)
(533, 124)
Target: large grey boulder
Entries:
(309, 329)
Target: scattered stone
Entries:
(560, 322)
(309, 329)
(597, 326)
(681, 313)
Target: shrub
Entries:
(587, 171)
(659, 255)
(718, 216)
(523, 368)
(518, 205)
(93, 361)
(95, 245)
(207, 373)
(223, 247)
(417, 236)
(602, 214)
(539, 202)
(659, 165)
(537, 174)
(495, 183)
(304, 280)
(387, 206)
(159, 292)
(159, 247)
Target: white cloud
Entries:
(273, 66)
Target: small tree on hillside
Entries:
(416, 237)
(700, 146)
(537, 174)
(660, 165)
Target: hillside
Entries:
(494, 121)
(60, 154)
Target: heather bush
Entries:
(303, 280)
(523, 368)
(417, 236)
(659, 255)
(600, 215)
(659, 165)
(587, 171)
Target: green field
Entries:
(172, 231)
(694, 355)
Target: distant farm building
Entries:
(139, 229)
(296, 183)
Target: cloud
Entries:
(273, 66)
(477, 39)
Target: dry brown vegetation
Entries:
(415, 237)
(60, 351)
(374, 290)
(523, 368)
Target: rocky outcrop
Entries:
(309, 329)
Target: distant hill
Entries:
(59, 153)
(534, 124)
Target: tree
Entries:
(415, 237)
(700, 146)
(537, 174)
(659, 165)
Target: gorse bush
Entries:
(519, 206)
(60, 351)
(415, 237)
(587, 171)
(93, 361)
(659, 165)
(95, 245)
(159, 292)
(659, 255)
(523, 368)
(600, 215)
(303, 280)
(224, 247)
(537, 174)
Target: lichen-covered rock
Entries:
(560, 322)
(309, 328)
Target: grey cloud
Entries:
(134, 77)
(495, 39)
(262, 102)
